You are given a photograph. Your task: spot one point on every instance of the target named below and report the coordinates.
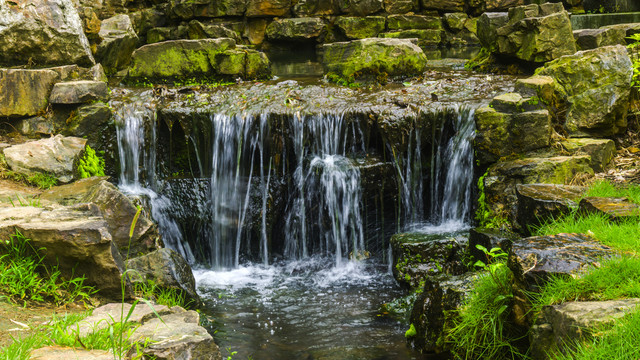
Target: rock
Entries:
(207, 57)
(411, 22)
(400, 6)
(55, 156)
(36, 126)
(25, 92)
(611, 6)
(425, 37)
(502, 5)
(189, 9)
(538, 203)
(197, 30)
(432, 311)
(629, 29)
(255, 31)
(456, 21)
(587, 39)
(295, 29)
(117, 210)
(488, 25)
(534, 260)
(88, 122)
(64, 353)
(489, 238)
(167, 269)
(360, 7)
(538, 86)
(76, 240)
(595, 85)
(463, 38)
(316, 7)
(533, 34)
(360, 28)
(443, 5)
(77, 92)
(417, 256)
(42, 32)
(267, 7)
(601, 151)
(118, 42)
(396, 57)
(503, 129)
(616, 209)
(561, 326)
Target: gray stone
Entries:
(25, 92)
(35, 126)
(587, 39)
(456, 21)
(425, 37)
(538, 203)
(77, 92)
(361, 7)
(76, 240)
(55, 156)
(64, 353)
(295, 29)
(167, 269)
(118, 40)
(601, 151)
(596, 85)
(488, 25)
(412, 22)
(316, 7)
(561, 326)
(197, 30)
(401, 6)
(42, 32)
(616, 209)
(360, 28)
(444, 5)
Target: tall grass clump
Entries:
(482, 329)
(604, 188)
(24, 277)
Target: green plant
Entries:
(24, 277)
(604, 188)
(481, 329)
(90, 164)
(635, 58)
(42, 180)
(22, 201)
(484, 215)
(411, 332)
(342, 81)
(163, 296)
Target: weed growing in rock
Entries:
(163, 296)
(41, 180)
(635, 58)
(484, 216)
(90, 164)
(481, 330)
(23, 276)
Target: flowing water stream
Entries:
(318, 295)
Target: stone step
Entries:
(617, 209)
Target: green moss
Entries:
(90, 164)
(411, 332)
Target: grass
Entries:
(482, 330)
(41, 180)
(605, 188)
(23, 276)
(162, 296)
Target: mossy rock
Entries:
(360, 28)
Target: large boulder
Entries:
(55, 156)
(117, 210)
(166, 269)
(538, 203)
(536, 259)
(118, 40)
(595, 84)
(536, 33)
(601, 151)
(25, 92)
(511, 124)
(42, 32)
(295, 29)
(360, 27)
(395, 57)
(587, 39)
(75, 239)
(417, 256)
(433, 310)
(193, 58)
(562, 326)
(488, 25)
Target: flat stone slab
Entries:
(616, 209)
(65, 353)
(77, 92)
(540, 202)
(601, 151)
(534, 259)
(108, 314)
(54, 156)
(559, 325)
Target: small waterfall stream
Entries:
(310, 298)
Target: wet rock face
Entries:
(76, 240)
(432, 310)
(534, 259)
(44, 32)
(168, 270)
(189, 58)
(55, 156)
(535, 33)
(540, 202)
(595, 85)
(77, 92)
(489, 238)
(395, 57)
(560, 326)
(418, 256)
(616, 209)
